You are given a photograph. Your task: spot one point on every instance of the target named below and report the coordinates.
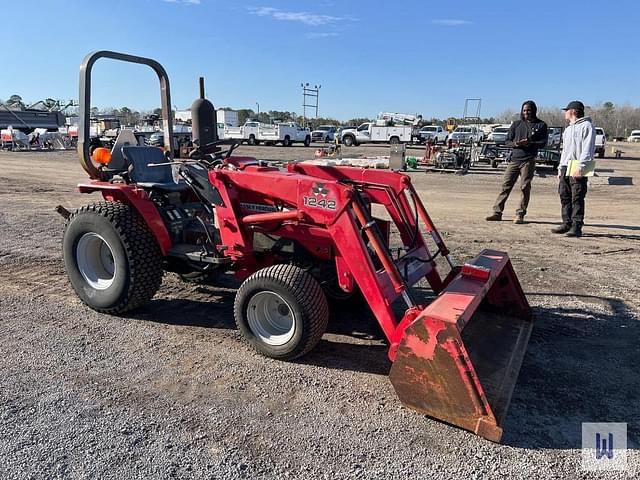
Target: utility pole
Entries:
(258, 114)
(312, 94)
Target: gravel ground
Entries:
(172, 392)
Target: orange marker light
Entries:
(101, 155)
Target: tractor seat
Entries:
(145, 176)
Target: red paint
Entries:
(138, 199)
(425, 348)
(272, 217)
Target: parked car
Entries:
(499, 135)
(601, 140)
(466, 134)
(435, 132)
(634, 137)
(554, 139)
(324, 133)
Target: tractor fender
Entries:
(139, 200)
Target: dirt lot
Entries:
(173, 392)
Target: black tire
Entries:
(303, 298)
(252, 140)
(494, 164)
(601, 154)
(135, 255)
(348, 140)
(394, 140)
(339, 298)
(286, 142)
(307, 141)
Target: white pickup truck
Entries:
(372, 133)
(466, 134)
(285, 133)
(601, 140)
(435, 133)
(249, 132)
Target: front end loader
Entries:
(299, 238)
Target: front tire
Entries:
(112, 259)
(286, 142)
(281, 311)
(348, 141)
(394, 140)
(307, 141)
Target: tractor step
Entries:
(195, 253)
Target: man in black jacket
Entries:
(525, 137)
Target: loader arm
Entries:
(330, 204)
(450, 360)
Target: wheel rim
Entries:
(95, 261)
(271, 318)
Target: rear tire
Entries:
(307, 141)
(286, 142)
(601, 154)
(281, 311)
(112, 259)
(252, 140)
(394, 140)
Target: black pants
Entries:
(572, 192)
(524, 170)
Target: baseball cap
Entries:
(575, 105)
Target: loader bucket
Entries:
(458, 360)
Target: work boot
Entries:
(496, 217)
(575, 230)
(564, 228)
(519, 220)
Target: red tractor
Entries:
(296, 238)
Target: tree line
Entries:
(616, 120)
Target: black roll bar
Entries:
(85, 104)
